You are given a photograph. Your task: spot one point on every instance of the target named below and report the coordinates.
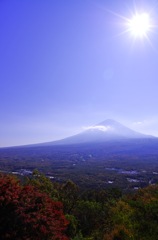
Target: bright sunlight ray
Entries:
(139, 25)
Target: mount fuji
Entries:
(105, 139)
(108, 130)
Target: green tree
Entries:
(44, 184)
(69, 194)
(90, 216)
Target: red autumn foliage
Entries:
(27, 214)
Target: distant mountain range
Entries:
(108, 130)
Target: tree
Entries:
(27, 214)
(90, 216)
(44, 184)
(121, 224)
(145, 205)
(69, 194)
(135, 217)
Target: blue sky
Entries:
(66, 65)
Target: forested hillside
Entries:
(38, 209)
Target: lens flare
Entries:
(139, 25)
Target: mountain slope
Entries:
(108, 130)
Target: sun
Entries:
(139, 25)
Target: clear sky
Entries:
(68, 64)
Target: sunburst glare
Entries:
(139, 25)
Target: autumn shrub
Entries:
(27, 214)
